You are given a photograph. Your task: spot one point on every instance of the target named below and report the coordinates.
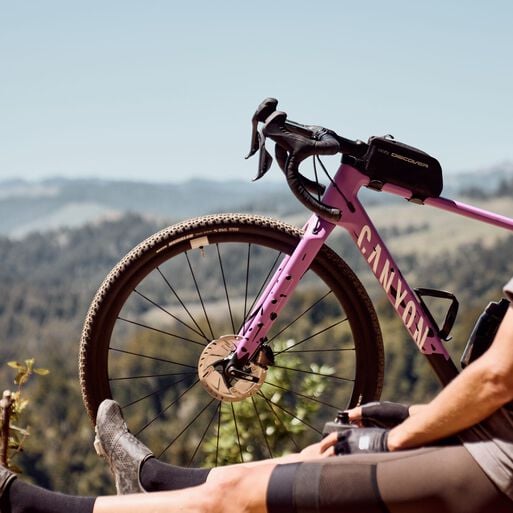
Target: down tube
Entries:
(400, 294)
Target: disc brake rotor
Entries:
(212, 379)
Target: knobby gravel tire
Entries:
(194, 281)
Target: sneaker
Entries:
(123, 452)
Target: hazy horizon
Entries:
(274, 176)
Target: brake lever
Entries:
(264, 159)
(255, 138)
(263, 111)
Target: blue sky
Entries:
(164, 90)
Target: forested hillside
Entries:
(28, 206)
(48, 281)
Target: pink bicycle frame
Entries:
(355, 220)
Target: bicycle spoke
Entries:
(252, 308)
(225, 287)
(261, 427)
(186, 428)
(151, 376)
(218, 432)
(286, 431)
(248, 259)
(167, 312)
(334, 350)
(161, 331)
(167, 408)
(271, 405)
(292, 415)
(156, 392)
(140, 355)
(182, 303)
(334, 325)
(310, 398)
(237, 431)
(314, 373)
(300, 315)
(204, 432)
(199, 295)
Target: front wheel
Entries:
(184, 293)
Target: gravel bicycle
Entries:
(234, 337)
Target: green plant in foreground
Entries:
(257, 429)
(13, 405)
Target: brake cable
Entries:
(316, 179)
(350, 206)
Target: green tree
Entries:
(266, 420)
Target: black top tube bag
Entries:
(389, 161)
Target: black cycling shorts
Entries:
(434, 479)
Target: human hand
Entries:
(384, 414)
(322, 449)
(361, 441)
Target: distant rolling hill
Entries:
(29, 206)
(37, 206)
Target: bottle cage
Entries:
(452, 312)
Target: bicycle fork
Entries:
(274, 297)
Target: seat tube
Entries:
(281, 286)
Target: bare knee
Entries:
(221, 492)
(238, 489)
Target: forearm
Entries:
(472, 396)
(414, 409)
(483, 387)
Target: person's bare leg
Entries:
(322, 449)
(236, 489)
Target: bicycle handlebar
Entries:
(294, 143)
(299, 147)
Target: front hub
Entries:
(216, 381)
